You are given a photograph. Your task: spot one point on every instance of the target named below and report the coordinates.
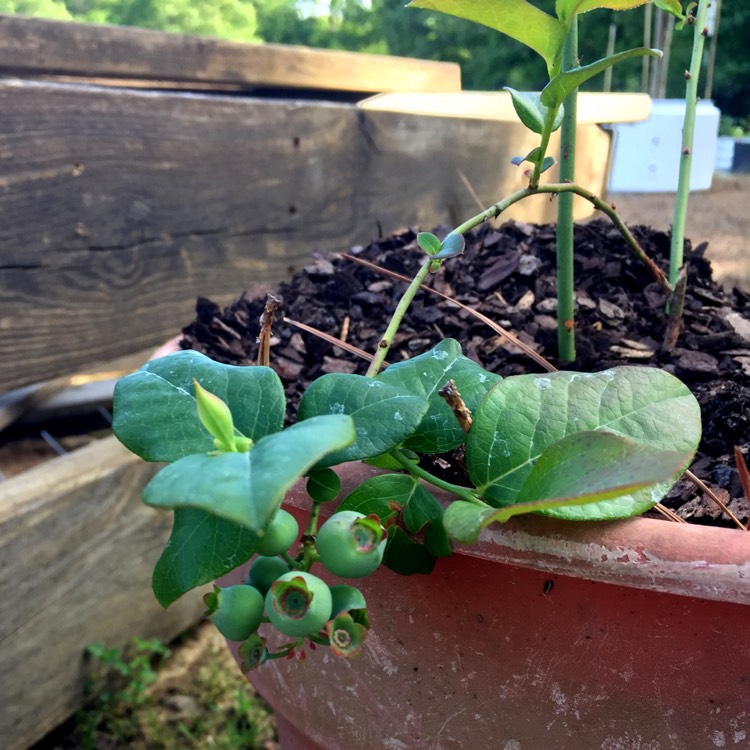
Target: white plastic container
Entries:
(646, 155)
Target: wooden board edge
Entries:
(34, 45)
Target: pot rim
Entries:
(687, 560)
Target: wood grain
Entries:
(76, 553)
(32, 46)
(118, 208)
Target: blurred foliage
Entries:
(488, 60)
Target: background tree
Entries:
(488, 60)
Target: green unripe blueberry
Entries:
(298, 604)
(236, 610)
(264, 571)
(280, 535)
(350, 544)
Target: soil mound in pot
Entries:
(508, 274)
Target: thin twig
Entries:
(741, 465)
(487, 321)
(708, 491)
(449, 393)
(570, 187)
(471, 190)
(675, 305)
(333, 340)
(266, 321)
(670, 515)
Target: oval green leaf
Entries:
(532, 112)
(424, 376)
(517, 19)
(247, 488)
(566, 9)
(201, 548)
(555, 92)
(155, 412)
(323, 485)
(428, 242)
(384, 415)
(451, 246)
(524, 415)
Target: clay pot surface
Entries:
(545, 635)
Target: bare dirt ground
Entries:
(720, 216)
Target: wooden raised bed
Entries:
(140, 170)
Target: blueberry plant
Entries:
(575, 446)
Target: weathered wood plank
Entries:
(35, 46)
(437, 153)
(76, 553)
(119, 208)
(594, 107)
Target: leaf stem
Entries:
(397, 317)
(688, 132)
(544, 143)
(571, 187)
(455, 489)
(290, 561)
(564, 232)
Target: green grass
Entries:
(150, 697)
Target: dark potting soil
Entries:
(508, 274)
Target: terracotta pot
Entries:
(544, 636)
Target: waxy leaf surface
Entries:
(515, 18)
(555, 92)
(574, 479)
(532, 112)
(247, 488)
(566, 9)
(155, 411)
(671, 6)
(384, 415)
(424, 375)
(522, 416)
(428, 242)
(201, 548)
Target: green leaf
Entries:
(555, 92)
(517, 19)
(670, 6)
(424, 376)
(247, 488)
(383, 495)
(155, 411)
(549, 161)
(428, 242)
(580, 471)
(575, 477)
(451, 246)
(566, 9)
(323, 485)
(201, 548)
(405, 556)
(523, 415)
(530, 110)
(384, 415)
(463, 521)
(385, 461)
(532, 157)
